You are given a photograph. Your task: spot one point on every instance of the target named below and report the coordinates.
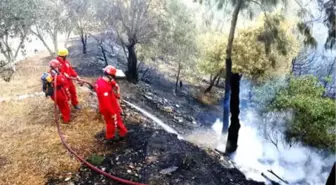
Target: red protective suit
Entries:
(61, 85)
(109, 108)
(67, 70)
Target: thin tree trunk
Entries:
(178, 76)
(218, 79)
(293, 66)
(54, 36)
(84, 40)
(227, 94)
(232, 142)
(104, 54)
(132, 72)
(23, 37)
(228, 64)
(212, 83)
(39, 36)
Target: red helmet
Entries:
(55, 64)
(110, 70)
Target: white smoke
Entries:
(296, 164)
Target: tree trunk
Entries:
(132, 72)
(178, 76)
(227, 94)
(39, 36)
(83, 37)
(54, 37)
(232, 142)
(331, 178)
(212, 83)
(218, 79)
(228, 64)
(104, 54)
(293, 66)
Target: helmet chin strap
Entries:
(110, 77)
(54, 70)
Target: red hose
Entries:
(92, 167)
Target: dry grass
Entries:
(26, 79)
(31, 148)
(211, 98)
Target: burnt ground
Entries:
(149, 154)
(152, 156)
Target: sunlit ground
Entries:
(31, 148)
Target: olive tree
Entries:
(177, 37)
(135, 22)
(258, 55)
(52, 19)
(15, 19)
(81, 15)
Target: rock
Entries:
(148, 97)
(131, 166)
(67, 179)
(189, 118)
(178, 119)
(168, 109)
(168, 170)
(151, 159)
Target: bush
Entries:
(314, 115)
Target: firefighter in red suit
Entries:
(69, 73)
(108, 94)
(61, 84)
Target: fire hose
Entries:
(79, 158)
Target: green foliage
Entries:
(178, 32)
(81, 14)
(96, 159)
(212, 50)
(314, 115)
(260, 51)
(175, 39)
(264, 95)
(16, 16)
(305, 31)
(327, 79)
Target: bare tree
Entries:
(15, 18)
(135, 22)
